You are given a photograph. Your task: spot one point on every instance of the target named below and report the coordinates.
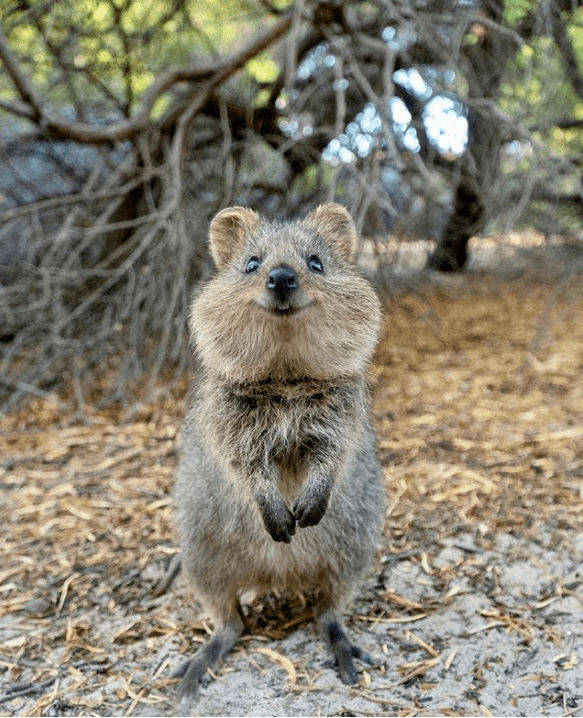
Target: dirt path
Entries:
(474, 606)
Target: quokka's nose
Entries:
(283, 281)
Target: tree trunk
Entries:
(466, 220)
(486, 61)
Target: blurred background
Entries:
(445, 126)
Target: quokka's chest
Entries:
(291, 416)
(285, 424)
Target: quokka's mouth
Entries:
(283, 310)
(286, 311)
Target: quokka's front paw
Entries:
(279, 521)
(309, 508)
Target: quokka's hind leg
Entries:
(343, 650)
(192, 671)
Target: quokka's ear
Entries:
(229, 231)
(334, 224)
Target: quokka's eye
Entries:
(315, 264)
(253, 265)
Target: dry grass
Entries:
(480, 404)
(479, 400)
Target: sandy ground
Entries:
(475, 603)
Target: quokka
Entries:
(279, 485)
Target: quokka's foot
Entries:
(195, 671)
(343, 655)
(343, 650)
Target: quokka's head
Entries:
(286, 299)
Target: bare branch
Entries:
(19, 109)
(565, 123)
(561, 37)
(128, 129)
(20, 80)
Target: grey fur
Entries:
(279, 485)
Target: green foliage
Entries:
(99, 56)
(263, 68)
(314, 179)
(537, 92)
(261, 164)
(281, 5)
(516, 10)
(575, 28)
(539, 96)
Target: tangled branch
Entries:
(212, 75)
(106, 270)
(95, 269)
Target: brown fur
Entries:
(278, 437)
